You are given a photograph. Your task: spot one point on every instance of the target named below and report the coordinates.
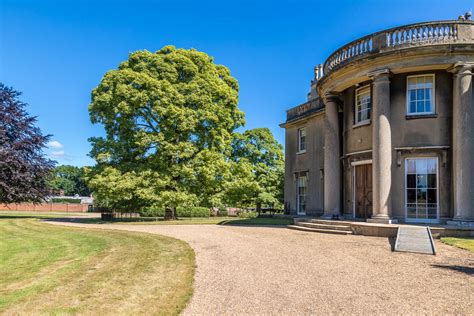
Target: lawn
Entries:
(47, 269)
(82, 218)
(195, 221)
(464, 243)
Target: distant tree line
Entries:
(69, 180)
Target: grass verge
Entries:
(47, 269)
(195, 221)
(464, 243)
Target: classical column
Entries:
(381, 147)
(463, 143)
(332, 164)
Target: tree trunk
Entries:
(259, 207)
(170, 213)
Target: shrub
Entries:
(248, 214)
(193, 211)
(66, 200)
(222, 212)
(152, 213)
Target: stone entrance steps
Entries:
(322, 226)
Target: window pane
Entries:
(421, 181)
(432, 196)
(421, 211)
(411, 83)
(411, 166)
(412, 107)
(420, 108)
(428, 94)
(432, 181)
(431, 166)
(421, 196)
(429, 80)
(421, 165)
(420, 94)
(412, 95)
(411, 196)
(432, 212)
(428, 106)
(411, 212)
(411, 181)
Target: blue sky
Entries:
(56, 52)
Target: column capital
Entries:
(380, 75)
(461, 68)
(331, 97)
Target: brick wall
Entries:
(45, 207)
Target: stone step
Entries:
(319, 230)
(324, 226)
(322, 221)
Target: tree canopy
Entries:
(24, 169)
(70, 180)
(259, 174)
(169, 119)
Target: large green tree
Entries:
(69, 179)
(169, 119)
(258, 170)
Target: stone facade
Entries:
(387, 132)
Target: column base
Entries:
(461, 222)
(382, 220)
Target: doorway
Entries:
(363, 190)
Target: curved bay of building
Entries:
(387, 132)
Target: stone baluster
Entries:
(463, 142)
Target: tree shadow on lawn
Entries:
(247, 222)
(463, 269)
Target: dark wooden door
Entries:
(363, 191)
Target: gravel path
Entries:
(270, 270)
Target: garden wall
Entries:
(45, 207)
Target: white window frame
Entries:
(356, 110)
(301, 151)
(433, 101)
(422, 220)
(298, 210)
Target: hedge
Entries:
(193, 211)
(66, 200)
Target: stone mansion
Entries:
(387, 132)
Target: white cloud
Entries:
(54, 144)
(59, 153)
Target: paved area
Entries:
(263, 270)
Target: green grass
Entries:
(47, 269)
(464, 243)
(195, 221)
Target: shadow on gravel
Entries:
(392, 241)
(463, 269)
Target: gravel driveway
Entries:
(270, 270)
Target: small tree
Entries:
(24, 169)
(261, 170)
